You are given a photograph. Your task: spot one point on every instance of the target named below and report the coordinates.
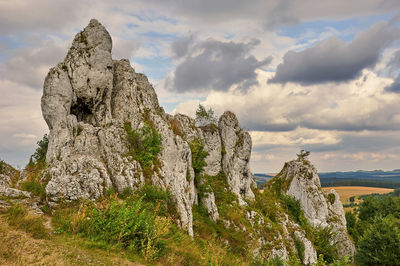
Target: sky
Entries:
(323, 76)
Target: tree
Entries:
(40, 154)
(204, 117)
(380, 243)
(303, 155)
(368, 208)
(351, 221)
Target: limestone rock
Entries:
(299, 179)
(9, 192)
(236, 150)
(209, 203)
(89, 97)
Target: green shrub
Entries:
(351, 221)
(380, 243)
(198, 156)
(40, 154)
(294, 209)
(157, 199)
(323, 243)
(35, 187)
(299, 247)
(18, 216)
(127, 224)
(145, 145)
(331, 198)
(275, 261)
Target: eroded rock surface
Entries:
(87, 100)
(300, 180)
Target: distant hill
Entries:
(375, 178)
(261, 179)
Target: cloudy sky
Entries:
(317, 75)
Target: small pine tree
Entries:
(204, 117)
(303, 155)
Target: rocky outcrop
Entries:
(300, 180)
(236, 145)
(8, 176)
(89, 98)
(10, 194)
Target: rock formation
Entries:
(9, 194)
(100, 112)
(89, 98)
(299, 179)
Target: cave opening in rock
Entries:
(82, 111)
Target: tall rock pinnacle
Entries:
(89, 98)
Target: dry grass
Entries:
(20, 248)
(346, 192)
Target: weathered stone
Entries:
(299, 179)
(88, 98)
(236, 150)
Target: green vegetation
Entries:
(375, 228)
(204, 117)
(142, 225)
(198, 158)
(322, 241)
(145, 145)
(331, 198)
(18, 216)
(39, 157)
(35, 181)
(380, 242)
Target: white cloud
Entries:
(21, 122)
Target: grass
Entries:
(19, 248)
(18, 217)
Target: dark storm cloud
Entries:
(218, 65)
(271, 13)
(333, 60)
(180, 47)
(373, 142)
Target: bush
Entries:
(294, 209)
(18, 216)
(323, 243)
(300, 248)
(126, 224)
(145, 145)
(157, 199)
(380, 243)
(331, 198)
(351, 221)
(40, 154)
(138, 224)
(198, 157)
(35, 187)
